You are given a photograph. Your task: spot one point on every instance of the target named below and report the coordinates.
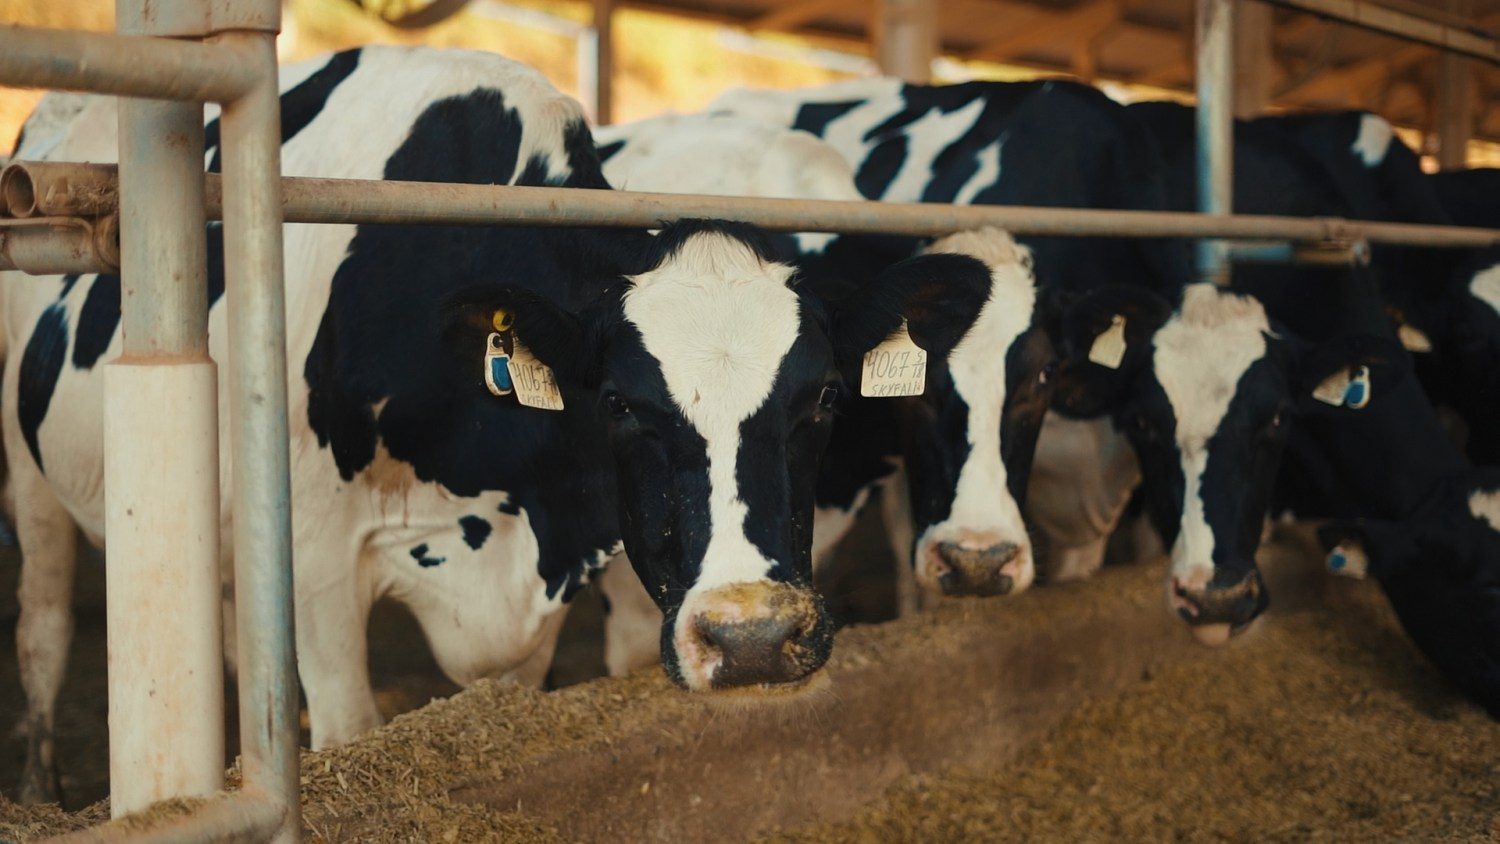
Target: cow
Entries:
(679, 389)
(1440, 568)
(1050, 143)
(949, 465)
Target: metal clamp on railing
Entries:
(1327, 253)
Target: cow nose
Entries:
(766, 634)
(1218, 613)
(963, 570)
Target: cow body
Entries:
(670, 354)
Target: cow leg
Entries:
(895, 512)
(532, 673)
(333, 659)
(49, 555)
(632, 622)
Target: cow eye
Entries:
(829, 395)
(617, 406)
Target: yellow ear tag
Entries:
(1109, 347)
(535, 383)
(896, 367)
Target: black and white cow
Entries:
(1440, 568)
(952, 462)
(697, 384)
(1050, 143)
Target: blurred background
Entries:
(676, 55)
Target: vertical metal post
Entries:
(1254, 58)
(596, 68)
(906, 38)
(1454, 107)
(1215, 38)
(161, 466)
(253, 269)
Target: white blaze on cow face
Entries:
(1485, 505)
(719, 321)
(983, 514)
(1486, 287)
(1199, 357)
(1373, 140)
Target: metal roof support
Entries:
(1215, 117)
(906, 38)
(1453, 105)
(596, 64)
(1254, 59)
(1463, 41)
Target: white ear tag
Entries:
(1109, 347)
(1412, 339)
(496, 371)
(1348, 560)
(1331, 390)
(535, 384)
(896, 367)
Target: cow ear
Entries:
(558, 338)
(937, 296)
(1102, 338)
(1348, 373)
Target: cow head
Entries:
(1206, 394)
(969, 439)
(713, 379)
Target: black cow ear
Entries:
(564, 341)
(938, 296)
(1102, 338)
(1350, 372)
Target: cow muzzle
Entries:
(978, 569)
(760, 634)
(1216, 614)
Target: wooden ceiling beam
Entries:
(1082, 22)
(793, 15)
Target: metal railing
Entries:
(149, 219)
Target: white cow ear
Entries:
(1108, 349)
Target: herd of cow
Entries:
(709, 407)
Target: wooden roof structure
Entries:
(1294, 58)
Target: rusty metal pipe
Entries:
(237, 816)
(59, 189)
(60, 245)
(125, 65)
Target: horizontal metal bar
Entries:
(1461, 40)
(58, 189)
(1333, 253)
(235, 816)
(60, 245)
(126, 65)
(309, 200)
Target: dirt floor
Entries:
(1322, 723)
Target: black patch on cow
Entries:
(815, 117)
(607, 151)
(300, 104)
(419, 554)
(97, 321)
(476, 531)
(41, 364)
(509, 508)
(67, 286)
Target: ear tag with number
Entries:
(1357, 393)
(496, 368)
(1109, 347)
(896, 367)
(535, 383)
(1348, 560)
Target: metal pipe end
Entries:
(107, 240)
(18, 191)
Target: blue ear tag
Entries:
(1357, 393)
(1337, 560)
(497, 366)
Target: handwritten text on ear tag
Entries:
(535, 384)
(1109, 347)
(496, 369)
(896, 367)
